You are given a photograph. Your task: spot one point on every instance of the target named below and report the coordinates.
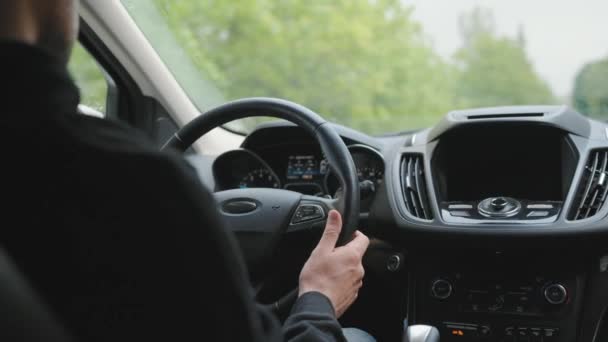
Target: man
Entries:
(111, 233)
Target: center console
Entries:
(498, 298)
(503, 173)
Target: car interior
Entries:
(489, 225)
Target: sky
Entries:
(561, 35)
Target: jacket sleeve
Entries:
(312, 319)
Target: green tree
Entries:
(590, 94)
(364, 63)
(90, 79)
(495, 70)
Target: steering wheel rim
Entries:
(332, 145)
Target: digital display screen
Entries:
(305, 167)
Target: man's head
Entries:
(48, 24)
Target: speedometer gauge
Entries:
(370, 168)
(372, 173)
(260, 178)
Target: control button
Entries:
(460, 213)
(473, 308)
(556, 294)
(540, 206)
(460, 206)
(393, 263)
(522, 334)
(520, 309)
(308, 212)
(484, 331)
(462, 331)
(538, 213)
(550, 332)
(499, 207)
(441, 289)
(498, 204)
(536, 334)
(509, 331)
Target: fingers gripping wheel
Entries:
(303, 210)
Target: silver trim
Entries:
(393, 263)
(460, 206)
(561, 288)
(367, 148)
(538, 213)
(540, 206)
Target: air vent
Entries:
(592, 190)
(414, 186)
(502, 116)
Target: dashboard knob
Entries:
(441, 289)
(498, 203)
(556, 294)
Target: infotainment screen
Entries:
(529, 162)
(305, 167)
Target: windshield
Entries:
(384, 66)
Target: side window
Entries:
(91, 79)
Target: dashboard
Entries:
(501, 212)
(492, 172)
(294, 163)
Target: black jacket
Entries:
(121, 241)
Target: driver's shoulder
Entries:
(108, 135)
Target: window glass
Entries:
(91, 80)
(383, 66)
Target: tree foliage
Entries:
(495, 70)
(363, 63)
(90, 78)
(590, 94)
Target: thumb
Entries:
(333, 227)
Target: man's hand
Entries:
(336, 272)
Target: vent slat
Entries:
(605, 192)
(404, 186)
(414, 186)
(419, 186)
(587, 187)
(410, 185)
(593, 187)
(598, 182)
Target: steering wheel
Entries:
(263, 215)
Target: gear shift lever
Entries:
(419, 333)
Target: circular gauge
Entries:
(260, 178)
(367, 173)
(369, 164)
(372, 173)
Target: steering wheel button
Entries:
(308, 212)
